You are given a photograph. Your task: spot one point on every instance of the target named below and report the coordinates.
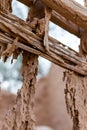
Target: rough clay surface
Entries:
(20, 116)
(76, 99)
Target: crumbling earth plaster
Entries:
(21, 116)
(76, 99)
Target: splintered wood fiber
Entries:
(76, 99)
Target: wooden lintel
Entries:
(60, 21)
(58, 53)
(26, 2)
(66, 24)
(71, 10)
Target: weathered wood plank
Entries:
(71, 10)
(66, 24)
(26, 2)
(50, 56)
(61, 21)
(58, 53)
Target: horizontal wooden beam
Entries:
(27, 2)
(12, 27)
(7, 40)
(66, 24)
(60, 21)
(71, 10)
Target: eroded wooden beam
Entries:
(27, 2)
(58, 54)
(66, 24)
(57, 59)
(60, 21)
(71, 10)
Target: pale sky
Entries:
(80, 1)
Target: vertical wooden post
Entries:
(21, 116)
(83, 44)
(76, 92)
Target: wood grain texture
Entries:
(27, 2)
(58, 54)
(66, 24)
(71, 10)
(61, 21)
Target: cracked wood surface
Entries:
(61, 21)
(76, 92)
(58, 54)
(71, 10)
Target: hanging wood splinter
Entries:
(39, 16)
